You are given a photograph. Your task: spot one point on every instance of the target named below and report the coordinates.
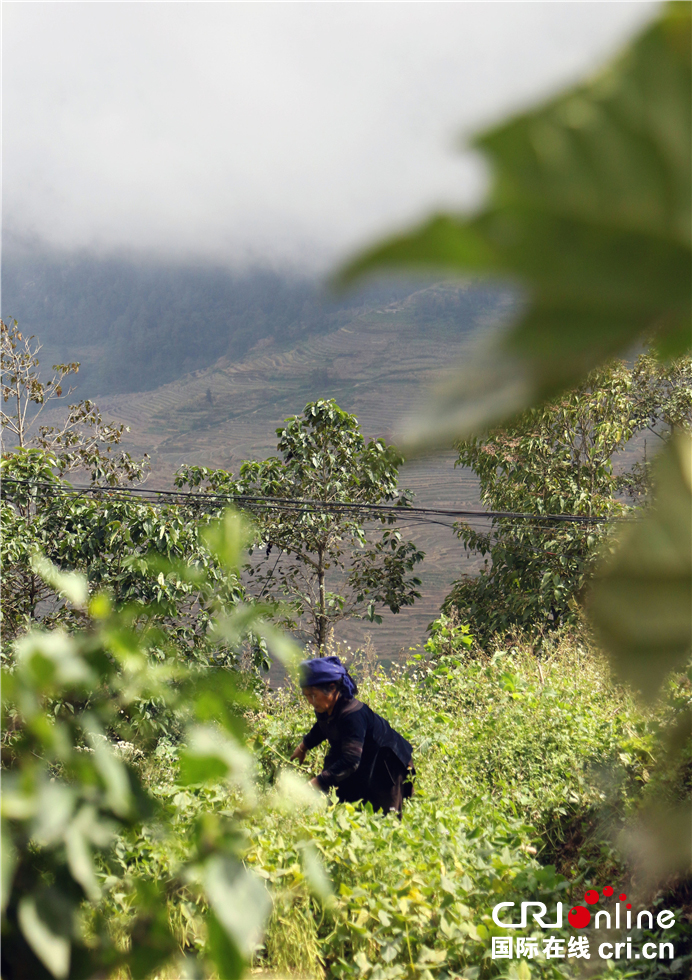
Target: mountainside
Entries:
(135, 325)
(376, 357)
(378, 367)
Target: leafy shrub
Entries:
(527, 766)
(565, 457)
(79, 817)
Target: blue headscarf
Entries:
(327, 670)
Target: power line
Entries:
(298, 506)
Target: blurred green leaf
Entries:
(216, 696)
(71, 585)
(210, 756)
(196, 769)
(660, 843)
(152, 942)
(110, 768)
(52, 949)
(240, 902)
(86, 829)
(54, 810)
(589, 212)
(8, 863)
(224, 951)
(641, 601)
(293, 793)
(226, 538)
(51, 658)
(241, 621)
(317, 877)
(280, 644)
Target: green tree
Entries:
(566, 457)
(118, 544)
(324, 561)
(84, 441)
(70, 794)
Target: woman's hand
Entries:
(299, 753)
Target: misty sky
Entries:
(287, 132)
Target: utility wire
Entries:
(298, 506)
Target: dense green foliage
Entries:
(570, 456)
(72, 726)
(527, 769)
(305, 555)
(136, 551)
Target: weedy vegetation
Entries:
(532, 768)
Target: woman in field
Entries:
(367, 760)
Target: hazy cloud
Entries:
(290, 131)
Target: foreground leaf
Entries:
(71, 585)
(590, 212)
(641, 602)
(241, 905)
(52, 949)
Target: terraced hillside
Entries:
(378, 366)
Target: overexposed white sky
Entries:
(282, 132)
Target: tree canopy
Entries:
(337, 559)
(565, 458)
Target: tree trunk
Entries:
(20, 421)
(322, 617)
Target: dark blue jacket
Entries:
(355, 734)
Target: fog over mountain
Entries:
(179, 177)
(267, 132)
(135, 325)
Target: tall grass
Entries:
(530, 762)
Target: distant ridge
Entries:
(135, 325)
(201, 378)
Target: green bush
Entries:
(526, 768)
(526, 763)
(99, 860)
